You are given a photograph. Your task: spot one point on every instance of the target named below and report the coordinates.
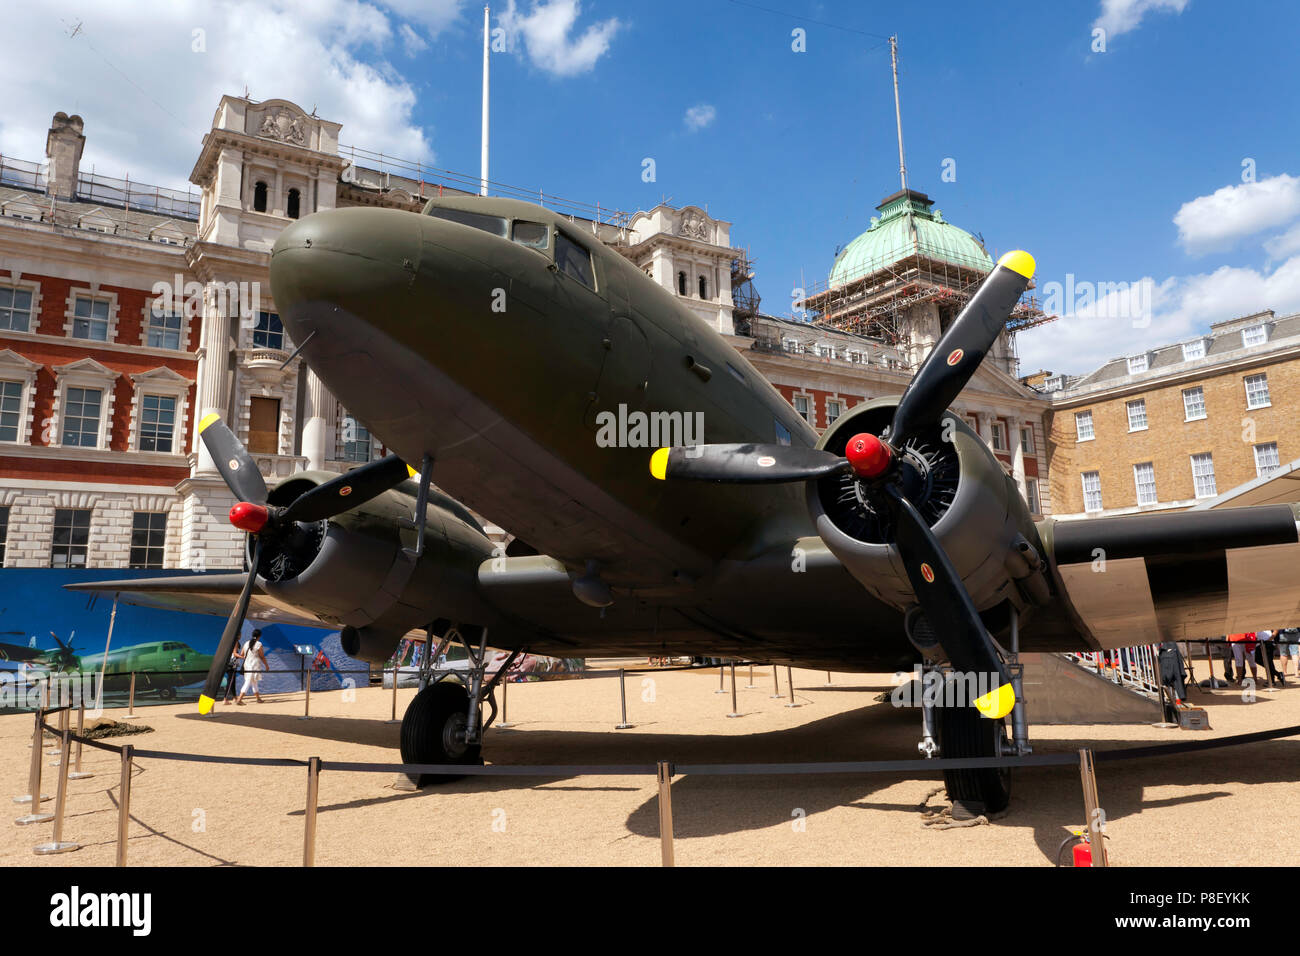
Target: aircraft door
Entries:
(625, 366)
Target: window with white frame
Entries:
(71, 541)
(1255, 335)
(148, 539)
(999, 435)
(12, 411)
(268, 333)
(833, 410)
(90, 318)
(158, 411)
(82, 413)
(1031, 496)
(163, 330)
(1194, 403)
(17, 385)
(1257, 391)
(1203, 475)
(1027, 438)
(1091, 490)
(1137, 414)
(83, 404)
(157, 423)
(1083, 426)
(356, 441)
(1144, 478)
(1137, 363)
(1193, 350)
(15, 309)
(801, 406)
(1266, 459)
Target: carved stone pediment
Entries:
(693, 226)
(283, 125)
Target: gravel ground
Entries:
(1166, 811)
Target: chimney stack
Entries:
(63, 146)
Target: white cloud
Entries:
(546, 34)
(698, 117)
(1216, 221)
(1284, 245)
(1121, 16)
(147, 97)
(412, 42)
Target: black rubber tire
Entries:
(964, 733)
(427, 725)
(167, 693)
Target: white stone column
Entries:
(1017, 453)
(211, 397)
(986, 432)
(319, 424)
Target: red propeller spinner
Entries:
(249, 517)
(869, 456)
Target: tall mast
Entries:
(898, 114)
(483, 164)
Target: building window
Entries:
(1027, 439)
(1091, 491)
(90, 318)
(11, 410)
(833, 411)
(1031, 496)
(1266, 459)
(148, 538)
(801, 406)
(291, 207)
(1193, 350)
(71, 538)
(1083, 426)
(1137, 363)
(1257, 391)
(268, 333)
(704, 288)
(81, 417)
(999, 436)
(1255, 335)
(356, 441)
(1137, 414)
(4, 531)
(264, 426)
(164, 330)
(1203, 475)
(681, 283)
(15, 309)
(1194, 403)
(157, 423)
(259, 197)
(1144, 477)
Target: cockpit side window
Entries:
(573, 260)
(493, 224)
(532, 234)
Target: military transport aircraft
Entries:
(482, 340)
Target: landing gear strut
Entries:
(444, 723)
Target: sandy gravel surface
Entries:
(1228, 807)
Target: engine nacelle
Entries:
(356, 570)
(961, 490)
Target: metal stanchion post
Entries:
(309, 828)
(503, 723)
(789, 679)
(776, 684)
(306, 706)
(722, 679)
(750, 685)
(665, 775)
(393, 719)
(77, 772)
(622, 695)
(733, 692)
(63, 725)
(130, 704)
(58, 845)
(34, 795)
(124, 801)
(828, 678)
(1095, 818)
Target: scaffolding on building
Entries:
(744, 294)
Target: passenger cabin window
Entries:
(573, 260)
(259, 197)
(531, 234)
(493, 224)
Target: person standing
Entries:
(233, 667)
(1288, 649)
(1265, 654)
(254, 667)
(1243, 651)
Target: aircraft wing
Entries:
(1176, 576)
(19, 653)
(200, 594)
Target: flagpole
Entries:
(483, 180)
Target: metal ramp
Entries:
(1110, 688)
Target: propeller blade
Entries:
(232, 460)
(745, 463)
(226, 646)
(948, 606)
(348, 490)
(962, 348)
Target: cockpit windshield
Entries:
(532, 234)
(493, 224)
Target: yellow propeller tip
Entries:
(659, 464)
(1020, 262)
(205, 703)
(412, 472)
(208, 419)
(996, 704)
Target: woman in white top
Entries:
(254, 666)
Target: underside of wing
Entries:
(212, 594)
(1178, 576)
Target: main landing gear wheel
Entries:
(433, 730)
(964, 733)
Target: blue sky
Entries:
(1109, 166)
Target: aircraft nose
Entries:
(359, 261)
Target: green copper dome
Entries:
(908, 226)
